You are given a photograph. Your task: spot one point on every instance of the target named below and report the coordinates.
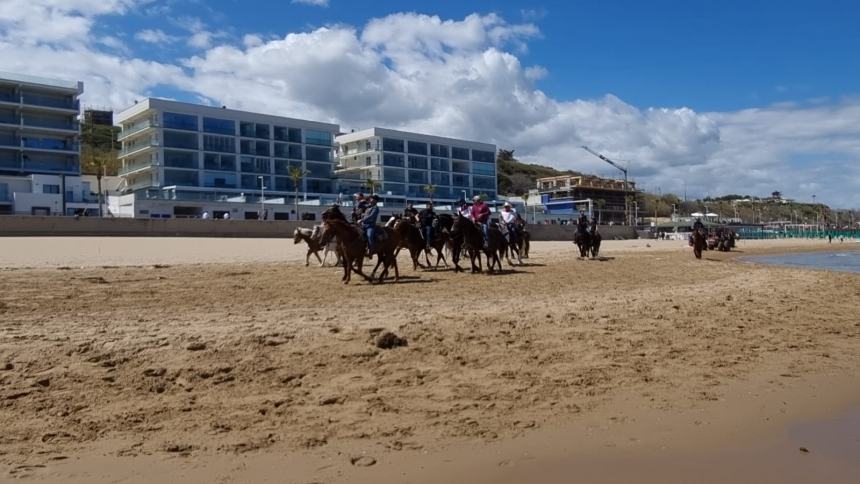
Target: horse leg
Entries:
(347, 269)
(317, 255)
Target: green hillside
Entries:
(517, 178)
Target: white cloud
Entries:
(316, 3)
(154, 36)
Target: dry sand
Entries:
(264, 372)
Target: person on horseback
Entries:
(410, 213)
(368, 223)
(593, 226)
(582, 222)
(509, 219)
(464, 209)
(425, 219)
(698, 225)
(481, 216)
(359, 205)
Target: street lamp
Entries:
(262, 197)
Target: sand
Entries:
(266, 371)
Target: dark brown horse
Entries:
(411, 239)
(352, 246)
(699, 243)
(473, 243)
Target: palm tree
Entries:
(296, 174)
(429, 189)
(371, 185)
(600, 203)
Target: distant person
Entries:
(426, 219)
(464, 209)
(226, 215)
(481, 216)
(205, 216)
(368, 223)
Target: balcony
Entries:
(51, 124)
(128, 132)
(51, 166)
(49, 144)
(137, 148)
(9, 141)
(50, 102)
(137, 167)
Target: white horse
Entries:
(312, 237)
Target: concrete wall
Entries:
(126, 227)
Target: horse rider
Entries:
(582, 222)
(368, 223)
(410, 213)
(509, 219)
(481, 216)
(464, 209)
(698, 225)
(359, 205)
(425, 219)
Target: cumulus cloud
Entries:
(462, 78)
(316, 3)
(154, 36)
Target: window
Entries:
(418, 162)
(220, 126)
(280, 150)
(417, 148)
(52, 189)
(262, 148)
(317, 154)
(322, 138)
(394, 174)
(282, 167)
(261, 131)
(484, 169)
(180, 159)
(295, 152)
(283, 184)
(415, 191)
(391, 144)
(187, 122)
(484, 182)
(439, 150)
(214, 161)
(247, 129)
(172, 139)
(416, 176)
(294, 135)
(460, 180)
(440, 178)
(279, 133)
(221, 144)
(318, 170)
(318, 186)
(460, 153)
(483, 156)
(390, 159)
(252, 182)
(439, 164)
(219, 180)
(460, 166)
(254, 165)
(180, 177)
(394, 188)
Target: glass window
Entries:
(318, 186)
(219, 180)
(483, 182)
(460, 180)
(440, 178)
(261, 131)
(282, 167)
(220, 126)
(417, 148)
(416, 191)
(295, 152)
(215, 161)
(318, 170)
(390, 159)
(246, 147)
(439, 164)
(173, 139)
(53, 189)
(283, 184)
(262, 148)
(460, 153)
(255, 165)
(313, 137)
(221, 144)
(483, 156)
(391, 144)
(186, 122)
(247, 129)
(279, 133)
(280, 150)
(484, 169)
(252, 182)
(317, 154)
(180, 177)
(439, 150)
(180, 159)
(460, 166)
(394, 174)
(394, 188)
(294, 135)
(418, 162)
(416, 176)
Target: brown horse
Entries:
(411, 239)
(352, 246)
(473, 242)
(699, 243)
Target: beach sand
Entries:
(117, 363)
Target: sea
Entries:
(843, 261)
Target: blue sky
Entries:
(715, 96)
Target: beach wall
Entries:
(35, 226)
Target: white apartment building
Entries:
(180, 160)
(404, 163)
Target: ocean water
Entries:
(844, 261)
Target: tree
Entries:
(429, 189)
(600, 203)
(296, 174)
(371, 185)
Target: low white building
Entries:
(47, 195)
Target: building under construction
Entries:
(565, 195)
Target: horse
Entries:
(512, 247)
(312, 238)
(525, 237)
(411, 239)
(582, 239)
(698, 242)
(473, 242)
(352, 246)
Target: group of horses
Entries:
(454, 234)
(588, 240)
(723, 241)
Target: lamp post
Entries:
(262, 197)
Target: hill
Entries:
(516, 178)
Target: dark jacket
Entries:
(370, 216)
(426, 217)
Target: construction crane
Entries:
(623, 170)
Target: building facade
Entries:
(403, 164)
(564, 195)
(183, 159)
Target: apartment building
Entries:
(402, 164)
(180, 160)
(565, 195)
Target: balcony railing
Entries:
(10, 141)
(48, 144)
(125, 170)
(52, 166)
(9, 97)
(138, 147)
(51, 123)
(50, 102)
(125, 133)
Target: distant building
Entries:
(403, 163)
(47, 195)
(98, 117)
(564, 195)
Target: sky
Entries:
(703, 97)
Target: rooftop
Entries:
(42, 81)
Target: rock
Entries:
(804, 450)
(196, 346)
(362, 461)
(155, 371)
(43, 382)
(178, 448)
(331, 400)
(292, 378)
(8, 366)
(389, 340)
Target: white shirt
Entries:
(466, 212)
(508, 217)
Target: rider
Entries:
(582, 222)
(368, 223)
(426, 218)
(593, 225)
(509, 218)
(359, 205)
(410, 213)
(481, 215)
(698, 225)
(464, 209)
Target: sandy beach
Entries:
(228, 360)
